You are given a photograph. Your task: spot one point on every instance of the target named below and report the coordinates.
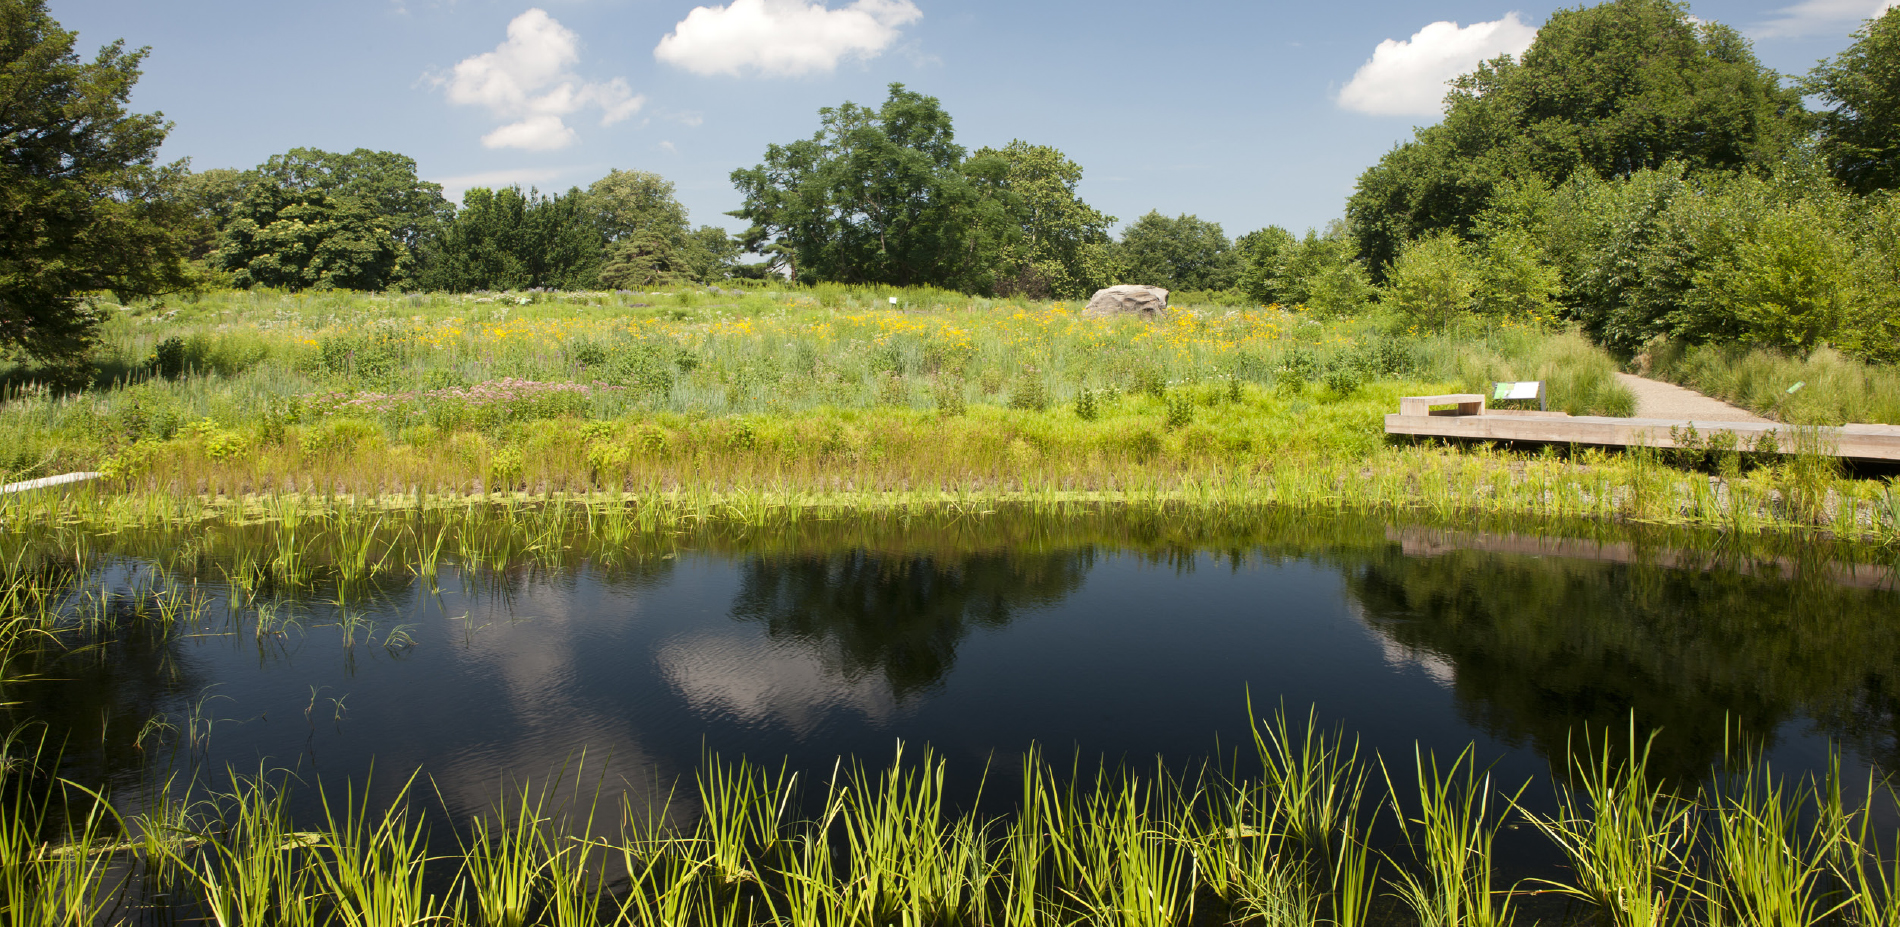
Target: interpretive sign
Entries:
(1527, 389)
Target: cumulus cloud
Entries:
(782, 38)
(529, 80)
(454, 187)
(1407, 78)
(1819, 16)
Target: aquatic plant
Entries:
(879, 845)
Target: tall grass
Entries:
(1625, 835)
(282, 389)
(881, 846)
(1833, 390)
(746, 402)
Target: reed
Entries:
(1766, 868)
(753, 403)
(373, 865)
(505, 861)
(1452, 837)
(255, 868)
(881, 846)
(1626, 836)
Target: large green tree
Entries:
(209, 199)
(875, 196)
(308, 239)
(1318, 271)
(509, 240)
(383, 182)
(1180, 253)
(1860, 132)
(649, 241)
(1610, 89)
(1051, 242)
(83, 206)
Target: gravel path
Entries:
(1656, 399)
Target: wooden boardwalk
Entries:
(1471, 421)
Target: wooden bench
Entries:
(1467, 403)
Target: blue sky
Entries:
(1247, 114)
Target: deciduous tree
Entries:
(1051, 242)
(1609, 89)
(308, 239)
(649, 242)
(383, 182)
(1860, 132)
(1182, 253)
(875, 196)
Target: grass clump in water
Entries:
(1298, 844)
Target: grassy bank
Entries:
(1298, 837)
(807, 389)
(833, 396)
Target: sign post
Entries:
(1527, 389)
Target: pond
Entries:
(1108, 639)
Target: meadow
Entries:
(839, 396)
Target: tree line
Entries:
(1636, 170)
(1640, 172)
(312, 219)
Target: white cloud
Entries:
(529, 79)
(1817, 16)
(1408, 78)
(782, 38)
(535, 133)
(454, 187)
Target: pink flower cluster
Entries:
(507, 391)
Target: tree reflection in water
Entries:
(1538, 648)
(899, 616)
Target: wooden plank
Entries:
(1863, 443)
(1467, 403)
(46, 481)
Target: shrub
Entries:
(893, 390)
(742, 436)
(652, 438)
(1298, 367)
(1515, 277)
(1029, 393)
(505, 467)
(1180, 409)
(948, 394)
(168, 358)
(1342, 377)
(1789, 285)
(371, 359)
(606, 458)
(1433, 282)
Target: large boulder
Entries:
(1146, 302)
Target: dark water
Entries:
(1108, 644)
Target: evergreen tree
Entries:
(85, 207)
